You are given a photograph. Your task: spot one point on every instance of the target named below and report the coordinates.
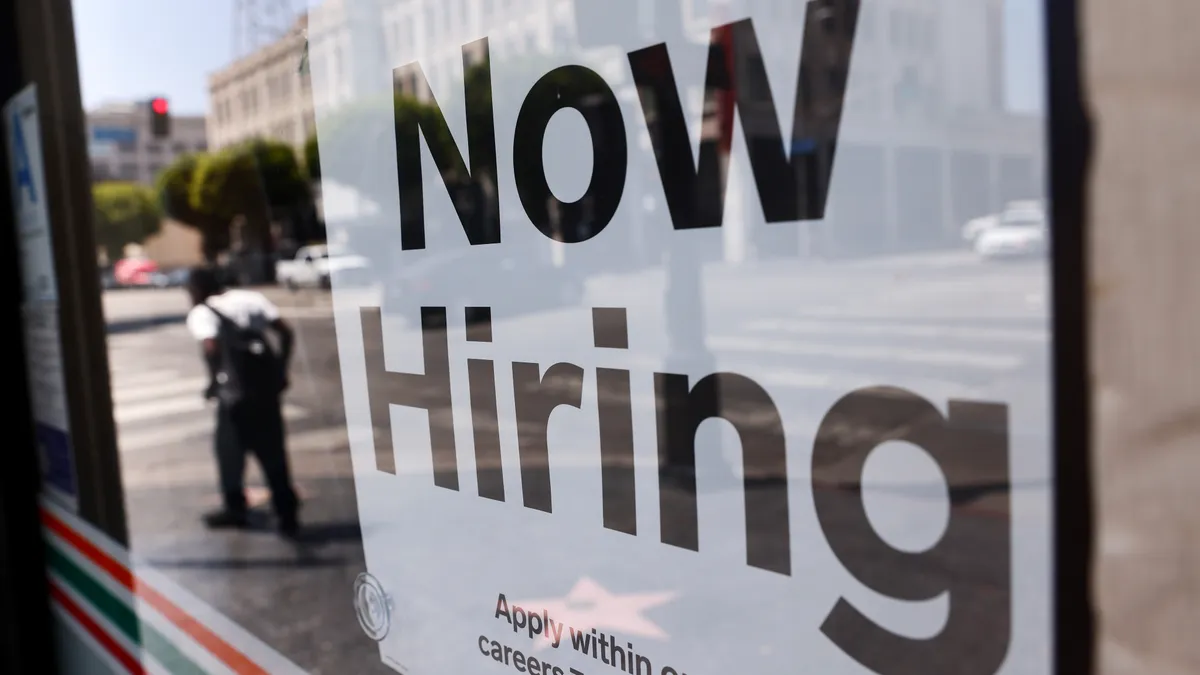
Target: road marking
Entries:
(900, 330)
(157, 390)
(172, 406)
(307, 312)
(131, 375)
(318, 440)
(939, 357)
(175, 432)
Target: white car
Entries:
(1016, 234)
(978, 226)
(314, 265)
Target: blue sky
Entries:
(135, 49)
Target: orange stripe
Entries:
(235, 660)
(110, 645)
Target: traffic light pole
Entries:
(47, 53)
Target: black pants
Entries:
(254, 426)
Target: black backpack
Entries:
(249, 367)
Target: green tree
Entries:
(173, 185)
(125, 213)
(312, 158)
(248, 188)
(253, 183)
(370, 124)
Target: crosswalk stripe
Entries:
(307, 312)
(132, 375)
(157, 390)
(857, 329)
(139, 412)
(124, 414)
(176, 431)
(939, 357)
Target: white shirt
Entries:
(248, 309)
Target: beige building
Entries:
(263, 95)
(122, 148)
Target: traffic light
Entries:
(160, 118)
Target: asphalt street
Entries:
(942, 327)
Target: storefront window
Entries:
(555, 337)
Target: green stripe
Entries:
(120, 614)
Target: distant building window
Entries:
(201, 146)
(909, 94)
(866, 26)
(154, 148)
(128, 171)
(155, 169)
(178, 148)
(930, 37)
(897, 22)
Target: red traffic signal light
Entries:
(160, 120)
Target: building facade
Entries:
(122, 147)
(264, 94)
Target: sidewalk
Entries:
(296, 598)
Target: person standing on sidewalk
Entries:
(247, 378)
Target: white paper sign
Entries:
(43, 347)
(681, 363)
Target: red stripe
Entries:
(233, 658)
(110, 645)
(101, 559)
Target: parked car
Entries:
(314, 266)
(173, 279)
(978, 226)
(1013, 211)
(135, 272)
(1016, 234)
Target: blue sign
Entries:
(21, 168)
(114, 135)
(58, 466)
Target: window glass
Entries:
(697, 337)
